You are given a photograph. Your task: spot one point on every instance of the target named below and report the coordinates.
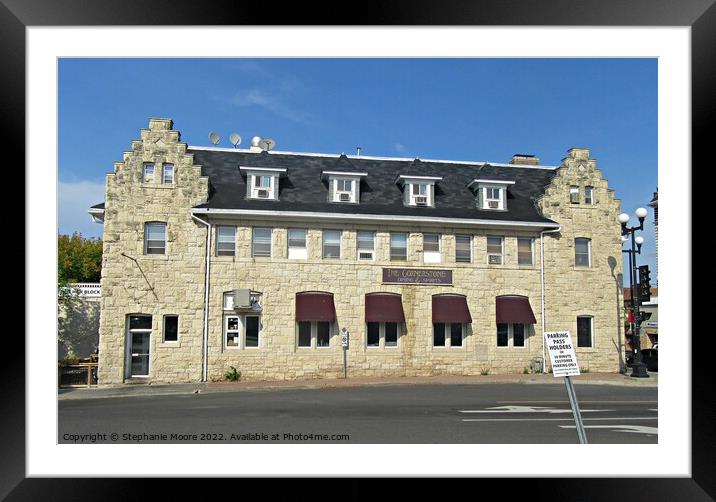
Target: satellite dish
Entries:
(267, 144)
(214, 138)
(235, 139)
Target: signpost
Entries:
(344, 344)
(564, 364)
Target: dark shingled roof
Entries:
(303, 190)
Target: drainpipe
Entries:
(541, 242)
(205, 341)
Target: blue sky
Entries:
(459, 109)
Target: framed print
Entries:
(38, 36)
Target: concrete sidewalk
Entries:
(213, 387)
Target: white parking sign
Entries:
(561, 353)
(344, 337)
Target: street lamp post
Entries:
(638, 367)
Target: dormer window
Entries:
(419, 191)
(491, 194)
(262, 183)
(343, 186)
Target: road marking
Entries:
(550, 419)
(581, 401)
(524, 409)
(653, 409)
(637, 429)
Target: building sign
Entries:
(561, 353)
(416, 276)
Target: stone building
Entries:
(217, 257)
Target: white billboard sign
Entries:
(561, 353)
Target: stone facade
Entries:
(174, 283)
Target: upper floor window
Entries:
(343, 186)
(155, 238)
(431, 248)
(463, 248)
(491, 193)
(261, 242)
(344, 190)
(262, 182)
(225, 241)
(399, 246)
(525, 251)
(148, 174)
(366, 245)
(582, 252)
(418, 190)
(167, 174)
(331, 243)
(297, 249)
(589, 195)
(574, 194)
(494, 250)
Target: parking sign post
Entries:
(564, 364)
(344, 344)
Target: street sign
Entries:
(564, 364)
(344, 337)
(561, 353)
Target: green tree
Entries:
(78, 259)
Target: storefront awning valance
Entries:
(513, 309)
(451, 308)
(384, 307)
(315, 306)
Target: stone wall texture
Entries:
(174, 283)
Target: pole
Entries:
(579, 425)
(638, 370)
(345, 362)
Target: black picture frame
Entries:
(700, 15)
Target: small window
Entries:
(229, 301)
(399, 246)
(297, 249)
(420, 189)
(252, 323)
(332, 244)
(225, 241)
(262, 186)
(231, 331)
(140, 322)
(148, 175)
(261, 244)
(447, 334)
(155, 238)
(582, 252)
(323, 333)
(524, 251)
(420, 194)
(262, 181)
(431, 248)
(168, 174)
(493, 197)
(344, 185)
(463, 248)
(512, 335)
(366, 245)
(382, 334)
(503, 335)
(304, 334)
(589, 195)
(494, 250)
(574, 194)
(584, 331)
(171, 328)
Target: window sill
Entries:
(160, 257)
(159, 186)
(170, 345)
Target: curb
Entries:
(214, 388)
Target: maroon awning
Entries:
(384, 307)
(451, 308)
(514, 309)
(315, 306)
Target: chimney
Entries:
(525, 159)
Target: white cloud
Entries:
(400, 148)
(74, 199)
(272, 102)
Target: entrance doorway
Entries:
(139, 334)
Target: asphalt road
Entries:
(494, 413)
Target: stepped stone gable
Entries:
(592, 291)
(174, 283)
(153, 284)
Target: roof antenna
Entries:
(214, 138)
(235, 139)
(267, 144)
(358, 149)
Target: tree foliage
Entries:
(78, 259)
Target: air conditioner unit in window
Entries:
(264, 194)
(493, 204)
(344, 197)
(494, 259)
(365, 255)
(421, 201)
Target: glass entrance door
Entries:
(140, 355)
